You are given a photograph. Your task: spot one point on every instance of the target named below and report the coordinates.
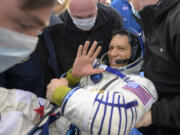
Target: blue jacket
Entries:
(26, 75)
(124, 8)
(29, 74)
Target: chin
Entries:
(114, 66)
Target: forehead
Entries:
(13, 17)
(119, 40)
(82, 8)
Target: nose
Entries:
(114, 52)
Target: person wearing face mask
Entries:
(160, 21)
(84, 20)
(94, 101)
(19, 25)
(27, 74)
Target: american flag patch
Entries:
(139, 91)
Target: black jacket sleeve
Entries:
(167, 112)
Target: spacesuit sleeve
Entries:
(71, 79)
(112, 112)
(18, 111)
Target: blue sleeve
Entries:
(135, 131)
(126, 12)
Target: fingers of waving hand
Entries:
(80, 49)
(92, 49)
(97, 71)
(96, 53)
(85, 48)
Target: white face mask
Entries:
(84, 24)
(14, 47)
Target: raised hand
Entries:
(83, 65)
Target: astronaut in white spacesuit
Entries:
(112, 100)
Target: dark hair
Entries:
(131, 36)
(35, 4)
(133, 41)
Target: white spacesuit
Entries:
(112, 105)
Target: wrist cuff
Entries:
(59, 94)
(71, 79)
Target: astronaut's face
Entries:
(119, 49)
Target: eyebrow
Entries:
(31, 20)
(119, 45)
(37, 20)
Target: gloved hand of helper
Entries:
(56, 90)
(83, 65)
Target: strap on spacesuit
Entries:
(51, 119)
(36, 127)
(67, 97)
(112, 70)
(73, 130)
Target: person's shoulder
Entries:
(54, 19)
(57, 27)
(174, 16)
(63, 16)
(176, 11)
(118, 2)
(107, 10)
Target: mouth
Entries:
(113, 62)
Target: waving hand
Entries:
(83, 65)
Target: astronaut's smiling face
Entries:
(119, 49)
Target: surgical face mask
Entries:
(136, 13)
(14, 47)
(84, 24)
